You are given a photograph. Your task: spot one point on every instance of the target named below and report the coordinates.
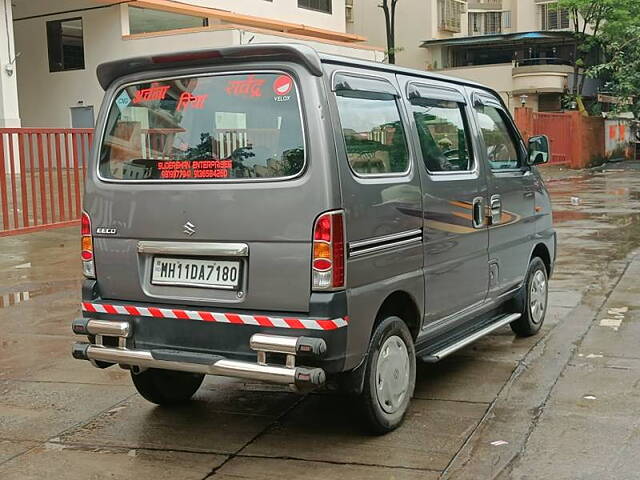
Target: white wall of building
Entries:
(46, 98)
(285, 10)
(497, 76)
(412, 23)
(416, 21)
(9, 114)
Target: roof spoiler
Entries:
(306, 56)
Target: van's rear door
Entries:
(204, 190)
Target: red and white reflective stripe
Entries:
(263, 321)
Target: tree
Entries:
(587, 18)
(621, 71)
(620, 44)
(389, 9)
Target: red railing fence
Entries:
(41, 177)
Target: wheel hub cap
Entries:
(538, 296)
(392, 374)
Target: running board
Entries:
(449, 349)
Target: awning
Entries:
(499, 38)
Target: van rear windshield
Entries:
(224, 127)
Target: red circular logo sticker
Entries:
(283, 85)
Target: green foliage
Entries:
(620, 71)
(612, 27)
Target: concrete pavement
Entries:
(502, 408)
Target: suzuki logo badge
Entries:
(189, 228)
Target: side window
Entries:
(502, 151)
(443, 133)
(373, 132)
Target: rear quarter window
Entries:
(209, 128)
(373, 133)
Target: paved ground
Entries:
(562, 405)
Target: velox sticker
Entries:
(282, 86)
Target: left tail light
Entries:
(328, 263)
(86, 252)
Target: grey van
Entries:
(270, 213)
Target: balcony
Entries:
(541, 75)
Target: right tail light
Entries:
(328, 261)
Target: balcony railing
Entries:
(485, 5)
(543, 61)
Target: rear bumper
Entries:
(299, 378)
(213, 342)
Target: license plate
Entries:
(196, 273)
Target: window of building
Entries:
(502, 150)
(443, 133)
(373, 133)
(506, 20)
(488, 23)
(450, 15)
(145, 20)
(552, 17)
(319, 5)
(65, 44)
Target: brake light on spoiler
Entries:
(186, 57)
(328, 262)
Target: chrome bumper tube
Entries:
(298, 377)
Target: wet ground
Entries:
(562, 405)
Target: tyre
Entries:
(390, 376)
(532, 300)
(166, 387)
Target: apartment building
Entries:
(522, 48)
(51, 48)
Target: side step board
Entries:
(463, 342)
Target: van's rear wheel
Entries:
(166, 387)
(390, 376)
(532, 300)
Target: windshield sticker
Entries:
(123, 100)
(188, 100)
(185, 170)
(151, 94)
(282, 86)
(251, 87)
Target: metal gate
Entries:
(556, 126)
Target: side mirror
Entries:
(539, 150)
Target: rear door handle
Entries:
(478, 212)
(496, 209)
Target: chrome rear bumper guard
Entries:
(297, 377)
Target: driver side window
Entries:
(502, 151)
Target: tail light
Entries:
(88, 267)
(328, 252)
